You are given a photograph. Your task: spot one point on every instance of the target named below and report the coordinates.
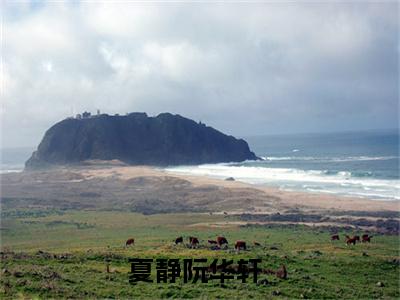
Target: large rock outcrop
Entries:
(138, 140)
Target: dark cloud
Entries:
(244, 68)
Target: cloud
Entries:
(244, 68)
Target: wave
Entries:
(328, 159)
(343, 182)
(6, 171)
(348, 174)
(11, 168)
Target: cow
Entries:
(335, 237)
(240, 245)
(192, 238)
(281, 273)
(350, 240)
(356, 237)
(221, 240)
(130, 242)
(366, 238)
(212, 242)
(194, 241)
(178, 240)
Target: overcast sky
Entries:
(243, 68)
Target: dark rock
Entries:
(230, 179)
(18, 274)
(44, 254)
(396, 261)
(262, 282)
(138, 140)
(276, 293)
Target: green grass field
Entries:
(81, 243)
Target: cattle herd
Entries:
(222, 243)
(365, 238)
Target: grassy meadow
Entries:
(64, 254)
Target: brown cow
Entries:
(192, 238)
(240, 245)
(281, 272)
(335, 237)
(221, 240)
(194, 241)
(356, 237)
(178, 240)
(366, 238)
(350, 240)
(130, 242)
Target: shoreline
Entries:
(324, 187)
(299, 180)
(278, 188)
(154, 191)
(260, 199)
(286, 199)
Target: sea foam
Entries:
(323, 181)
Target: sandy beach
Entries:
(113, 186)
(286, 199)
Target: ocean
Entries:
(357, 164)
(13, 159)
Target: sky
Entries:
(245, 68)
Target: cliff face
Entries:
(138, 140)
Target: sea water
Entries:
(13, 159)
(357, 164)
